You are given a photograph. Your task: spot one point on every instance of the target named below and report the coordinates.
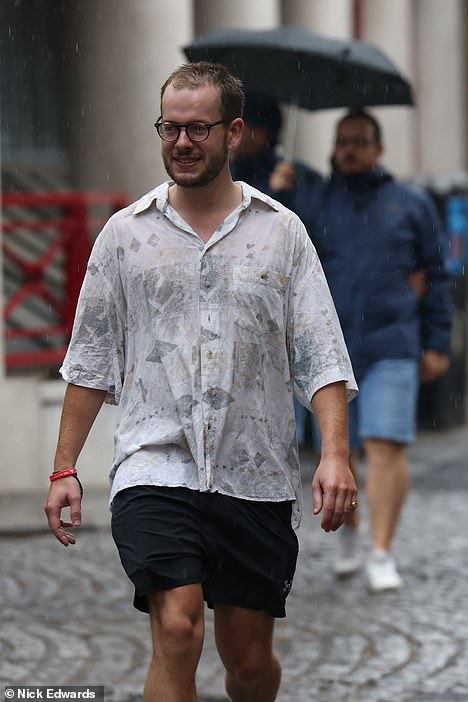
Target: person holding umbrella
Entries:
(374, 236)
(203, 309)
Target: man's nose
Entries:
(183, 137)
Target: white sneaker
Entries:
(382, 573)
(350, 560)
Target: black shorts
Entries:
(242, 552)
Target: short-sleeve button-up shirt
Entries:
(202, 346)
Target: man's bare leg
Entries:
(177, 627)
(244, 639)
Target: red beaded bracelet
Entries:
(62, 474)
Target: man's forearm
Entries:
(330, 406)
(80, 408)
(333, 485)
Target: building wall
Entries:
(124, 52)
(441, 86)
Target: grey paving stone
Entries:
(66, 614)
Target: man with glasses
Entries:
(382, 250)
(204, 308)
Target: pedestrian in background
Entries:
(258, 162)
(204, 307)
(382, 249)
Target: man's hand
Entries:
(63, 493)
(433, 365)
(334, 490)
(282, 177)
(418, 283)
(80, 408)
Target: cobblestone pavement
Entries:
(66, 616)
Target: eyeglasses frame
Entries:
(208, 125)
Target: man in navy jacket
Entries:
(382, 249)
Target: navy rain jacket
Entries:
(371, 232)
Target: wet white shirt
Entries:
(202, 345)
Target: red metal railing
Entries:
(47, 239)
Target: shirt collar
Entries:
(160, 196)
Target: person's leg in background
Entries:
(388, 481)
(388, 424)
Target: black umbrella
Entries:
(297, 67)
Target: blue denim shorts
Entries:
(386, 407)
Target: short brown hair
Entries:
(195, 75)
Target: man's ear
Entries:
(235, 133)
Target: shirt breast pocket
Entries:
(259, 299)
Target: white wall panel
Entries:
(389, 25)
(441, 87)
(124, 51)
(243, 14)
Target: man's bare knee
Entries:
(249, 669)
(179, 635)
(177, 624)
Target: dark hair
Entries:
(362, 114)
(195, 75)
(261, 110)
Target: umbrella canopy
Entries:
(297, 67)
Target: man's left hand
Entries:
(334, 491)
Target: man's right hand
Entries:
(80, 408)
(63, 493)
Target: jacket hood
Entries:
(361, 186)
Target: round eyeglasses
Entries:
(196, 131)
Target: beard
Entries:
(213, 167)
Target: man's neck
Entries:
(218, 195)
(206, 207)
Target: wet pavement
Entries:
(66, 614)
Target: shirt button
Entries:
(209, 354)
